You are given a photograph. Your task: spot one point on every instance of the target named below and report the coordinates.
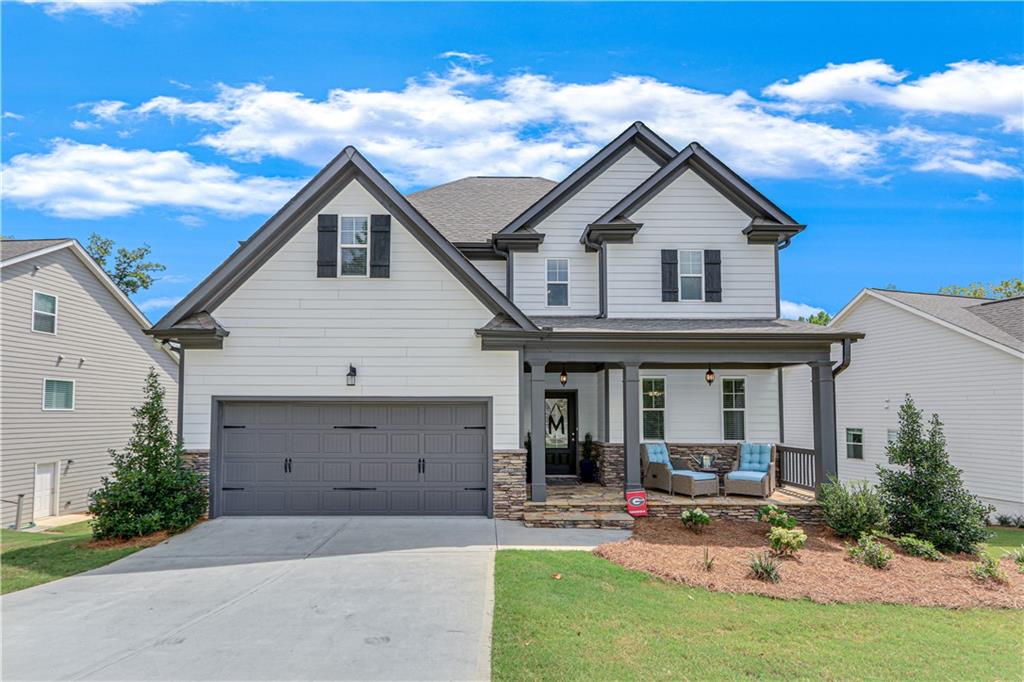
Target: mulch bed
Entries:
(141, 541)
(821, 571)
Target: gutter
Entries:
(602, 272)
(847, 356)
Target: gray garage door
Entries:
(352, 458)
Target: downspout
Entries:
(845, 362)
(778, 286)
(508, 268)
(180, 350)
(602, 273)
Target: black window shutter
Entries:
(380, 246)
(669, 275)
(326, 245)
(713, 276)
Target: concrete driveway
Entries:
(275, 598)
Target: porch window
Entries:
(734, 408)
(653, 408)
(855, 443)
(691, 275)
(558, 281)
(355, 243)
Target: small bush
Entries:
(1019, 521)
(1018, 557)
(786, 541)
(850, 511)
(776, 517)
(764, 567)
(708, 563)
(988, 570)
(1006, 520)
(870, 552)
(695, 519)
(916, 547)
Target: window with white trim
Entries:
(557, 280)
(355, 246)
(734, 408)
(891, 435)
(855, 443)
(652, 407)
(44, 313)
(58, 394)
(691, 275)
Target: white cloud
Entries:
(948, 152)
(191, 221)
(980, 197)
(11, 115)
(109, 10)
(158, 303)
(175, 279)
(465, 56)
(792, 311)
(84, 125)
(74, 180)
(965, 87)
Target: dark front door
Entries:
(560, 435)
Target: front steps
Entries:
(549, 518)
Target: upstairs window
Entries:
(691, 275)
(653, 407)
(558, 282)
(58, 394)
(855, 443)
(44, 313)
(355, 246)
(734, 408)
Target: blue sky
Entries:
(893, 131)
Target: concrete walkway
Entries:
(279, 599)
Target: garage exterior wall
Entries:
(294, 335)
(105, 354)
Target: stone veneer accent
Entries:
(508, 475)
(199, 460)
(610, 463)
(808, 514)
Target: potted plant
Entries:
(588, 464)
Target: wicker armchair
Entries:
(658, 474)
(753, 472)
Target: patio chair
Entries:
(658, 473)
(753, 472)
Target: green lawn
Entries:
(28, 559)
(602, 622)
(1005, 539)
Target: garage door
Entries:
(352, 458)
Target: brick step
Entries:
(577, 519)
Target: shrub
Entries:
(764, 567)
(926, 496)
(917, 547)
(786, 541)
(850, 511)
(1019, 521)
(870, 552)
(708, 562)
(1006, 520)
(695, 519)
(988, 570)
(1018, 557)
(771, 514)
(150, 488)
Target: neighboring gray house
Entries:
(962, 358)
(73, 361)
(369, 352)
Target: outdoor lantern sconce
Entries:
(350, 378)
(709, 376)
(563, 378)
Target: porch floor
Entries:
(591, 493)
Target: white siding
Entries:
(293, 334)
(104, 352)
(977, 391)
(562, 231)
(493, 270)
(690, 214)
(693, 410)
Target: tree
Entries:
(1008, 288)
(150, 489)
(926, 497)
(820, 317)
(130, 271)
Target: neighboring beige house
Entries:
(962, 358)
(73, 359)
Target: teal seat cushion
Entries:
(657, 453)
(755, 457)
(745, 476)
(695, 475)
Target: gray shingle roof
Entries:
(999, 321)
(472, 209)
(670, 326)
(12, 248)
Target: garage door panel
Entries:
(351, 458)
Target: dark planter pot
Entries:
(587, 469)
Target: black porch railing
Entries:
(796, 466)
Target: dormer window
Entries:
(355, 243)
(558, 282)
(691, 275)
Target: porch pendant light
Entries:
(563, 378)
(709, 376)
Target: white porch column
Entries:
(631, 426)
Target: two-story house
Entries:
(369, 352)
(73, 362)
